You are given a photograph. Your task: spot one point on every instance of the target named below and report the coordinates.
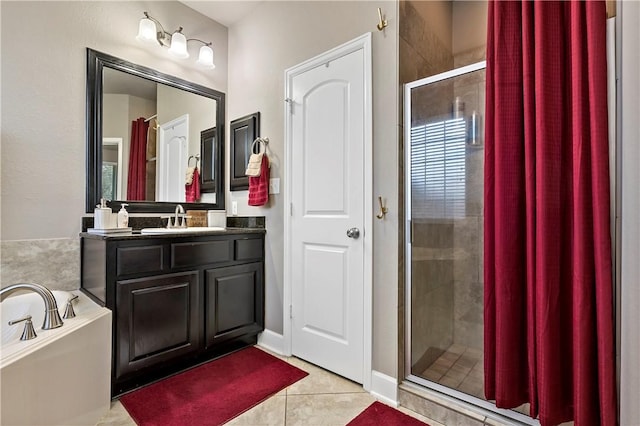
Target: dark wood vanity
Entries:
(177, 299)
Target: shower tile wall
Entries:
(432, 286)
(447, 278)
(422, 51)
(468, 232)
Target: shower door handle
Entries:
(353, 233)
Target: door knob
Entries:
(353, 233)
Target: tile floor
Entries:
(321, 398)
(462, 368)
(458, 368)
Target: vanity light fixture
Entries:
(151, 30)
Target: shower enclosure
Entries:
(444, 181)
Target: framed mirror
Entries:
(144, 129)
(243, 131)
(212, 153)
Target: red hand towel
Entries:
(192, 192)
(259, 185)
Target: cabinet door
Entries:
(234, 302)
(157, 320)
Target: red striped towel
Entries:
(259, 185)
(192, 191)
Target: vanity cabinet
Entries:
(231, 310)
(177, 300)
(157, 320)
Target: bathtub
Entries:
(62, 377)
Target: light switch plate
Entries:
(234, 208)
(274, 186)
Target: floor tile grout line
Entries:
(286, 401)
(327, 393)
(450, 366)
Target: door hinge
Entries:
(290, 102)
(290, 311)
(291, 209)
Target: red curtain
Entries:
(136, 180)
(547, 264)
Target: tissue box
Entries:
(217, 218)
(196, 218)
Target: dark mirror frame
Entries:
(242, 132)
(211, 154)
(96, 61)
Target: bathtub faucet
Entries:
(51, 316)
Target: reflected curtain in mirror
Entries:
(137, 160)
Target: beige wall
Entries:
(43, 98)
(277, 36)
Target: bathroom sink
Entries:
(189, 230)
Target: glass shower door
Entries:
(444, 205)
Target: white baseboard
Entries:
(271, 341)
(384, 388)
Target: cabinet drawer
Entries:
(135, 260)
(185, 255)
(250, 248)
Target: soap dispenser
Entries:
(101, 215)
(123, 217)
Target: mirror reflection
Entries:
(151, 136)
(153, 140)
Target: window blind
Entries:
(438, 169)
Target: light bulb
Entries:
(205, 58)
(147, 30)
(179, 45)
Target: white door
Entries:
(173, 145)
(330, 132)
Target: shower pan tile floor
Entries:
(459, 368)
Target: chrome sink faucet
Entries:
(51, 316)
(179, 218)
(178, 215)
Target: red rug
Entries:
(380, 414)
(212, 393)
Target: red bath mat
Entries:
(379, 414)
(212, 393)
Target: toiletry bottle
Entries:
(102, 215)
(123, 217)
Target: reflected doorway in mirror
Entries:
(173, 151)
(112, 168)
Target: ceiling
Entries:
(226, 12)
(118, 82)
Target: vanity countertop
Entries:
(136, 235)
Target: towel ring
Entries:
(197, 157)
(263, 141)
